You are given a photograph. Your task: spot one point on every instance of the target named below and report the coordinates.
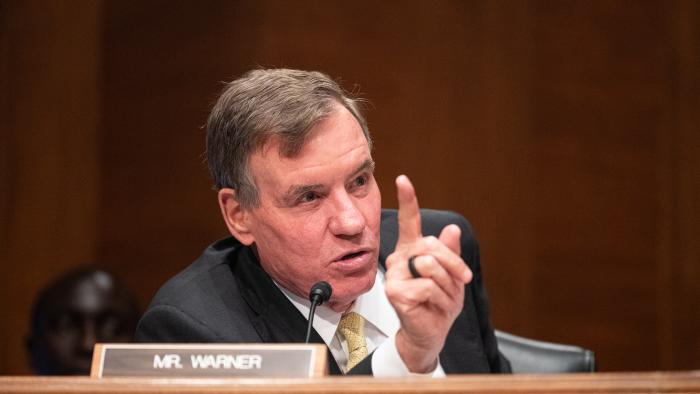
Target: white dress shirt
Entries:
(381, 323)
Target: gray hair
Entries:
(265, 103)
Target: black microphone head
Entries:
(322, 291)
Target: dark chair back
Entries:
(531, 356)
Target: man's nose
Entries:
(347, 219)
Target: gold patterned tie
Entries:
(351, 326)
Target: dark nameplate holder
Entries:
(208, 360)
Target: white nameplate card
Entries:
(208, 360)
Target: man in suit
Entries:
(290, 154)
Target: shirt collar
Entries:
(375, 307)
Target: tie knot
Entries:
(352, 323)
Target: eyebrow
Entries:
(297, 190)
(367, 165)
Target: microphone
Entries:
(320, 293)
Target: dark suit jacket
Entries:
(225, 296)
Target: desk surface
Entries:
(667, 382)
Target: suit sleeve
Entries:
(166, 323)
(477, 291)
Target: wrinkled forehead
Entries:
(335, 149)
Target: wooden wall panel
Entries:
(566, 131)
(157, 204)
(49, 183)
(678, 180)
(599, 102)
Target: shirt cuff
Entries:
(387, 363)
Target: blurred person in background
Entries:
(84, 306)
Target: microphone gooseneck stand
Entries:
(320, 293)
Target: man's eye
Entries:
(309, 197)
(360, 181)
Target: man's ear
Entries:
(237, 219)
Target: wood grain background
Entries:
(567, 132)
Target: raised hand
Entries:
(428, 305)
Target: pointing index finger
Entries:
(409, 213)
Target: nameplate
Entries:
(208, 360)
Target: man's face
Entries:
(319, 211)
(88, 312)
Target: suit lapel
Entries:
(274, 317)
(463, 351)
(389, 231)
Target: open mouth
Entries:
(352, 255)
(354, 263)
